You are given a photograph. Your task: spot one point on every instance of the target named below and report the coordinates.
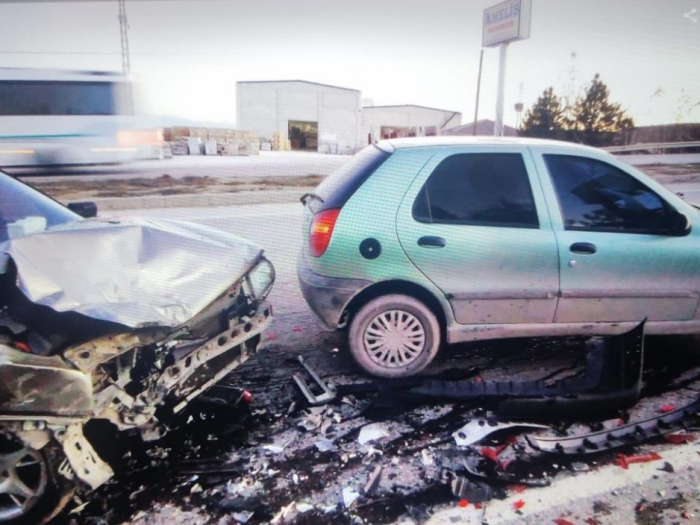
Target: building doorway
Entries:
(303, 135)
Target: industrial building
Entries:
(329, 119)
(409, 120)
(312, 116)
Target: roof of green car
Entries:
(424, 142)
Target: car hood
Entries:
(136, 272)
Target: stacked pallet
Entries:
(280, 142)
(219, 141)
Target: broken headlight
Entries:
(260, 279)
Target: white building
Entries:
(313, 116)
(409, 120)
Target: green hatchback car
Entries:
(416, 242)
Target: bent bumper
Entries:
(327, 296)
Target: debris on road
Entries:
(478, 429)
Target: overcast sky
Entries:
(188, 55)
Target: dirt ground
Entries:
(76, 189)
(72, 190)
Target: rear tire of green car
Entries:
(394, 336)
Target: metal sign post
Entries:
(500, 96)
(504, 23)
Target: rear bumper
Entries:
(327, 296)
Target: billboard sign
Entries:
(508, 21)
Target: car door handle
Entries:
(583, 248)
(430, 241)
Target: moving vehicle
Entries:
(124, 321)
(52, 117)
(416, 242)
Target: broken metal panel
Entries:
(89, 355)
(329, 393)
(35, 385)
(625, 435)
(85, 462)
(135, 272)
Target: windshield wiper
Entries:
(307, 196)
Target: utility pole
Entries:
(124, 33)
(478, 92)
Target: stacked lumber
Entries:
(280, 142)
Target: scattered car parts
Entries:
(625, 435)
(477, 429)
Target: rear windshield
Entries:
(338, 187)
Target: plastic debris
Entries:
(625, 461)
(426, 458)
(463, 503)
(243, 516)
(518, 504)
(349, 496)
(372, 432)
(667, 468)
(324, 445)
(679, 439)
(478, 429)
(304, 507)
(665, 409)
(562, 521)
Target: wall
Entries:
(417, 117)
(267, 107)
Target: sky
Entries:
(187, 55)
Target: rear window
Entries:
(338, 187)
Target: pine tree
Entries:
(545, 119)
(594, 119)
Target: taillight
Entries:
(321, 231)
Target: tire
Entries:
(38, 470)
(418, 336)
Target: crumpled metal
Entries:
(136, 272)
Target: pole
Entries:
(478, 92)
(124, 34)
(498, 126)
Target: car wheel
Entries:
(30, 490)
(394, 336)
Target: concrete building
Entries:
(483, 128)
(383, 122)
(314, 117)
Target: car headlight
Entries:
(260, 279)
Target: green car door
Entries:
(629, 248)
(475, 223)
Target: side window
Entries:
(596, 196)
(481, 189)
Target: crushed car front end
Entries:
(126, 321)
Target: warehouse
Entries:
(300, 115)
(409, 120)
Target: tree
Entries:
(545, 119)
(594, 119)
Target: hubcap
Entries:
(394, 339)
(23, 478)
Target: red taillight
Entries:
(321, 231)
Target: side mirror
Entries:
(680, 224)
(86, 210)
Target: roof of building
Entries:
(288, 81)
(483, 127)
(422, 142)
(409, 106)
